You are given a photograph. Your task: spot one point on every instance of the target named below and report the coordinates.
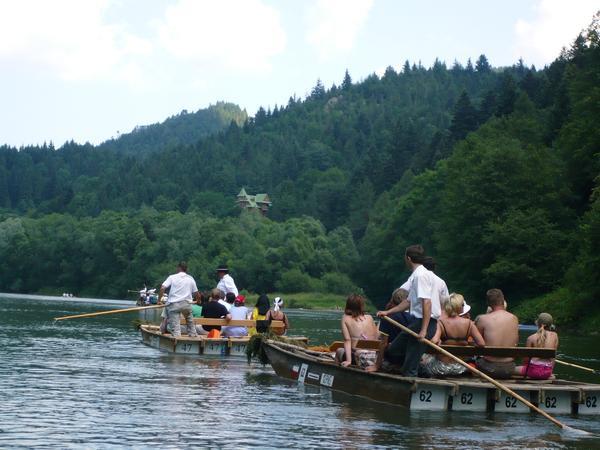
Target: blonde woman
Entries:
(451, 330)
(544, 337)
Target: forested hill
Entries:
(492, 169)
(184, 128)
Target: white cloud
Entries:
(556, 25)
(333, 25)
(69, 37)
(239, 34)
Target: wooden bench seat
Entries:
(377, 345)
(501, 352)
(234, 323)
(364, 344)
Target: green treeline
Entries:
(492, 169)
(116, 251)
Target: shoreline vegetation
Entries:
(565, 315)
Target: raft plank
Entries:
(591, 403)
(470, 399)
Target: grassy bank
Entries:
(568, 313)
(309, 300)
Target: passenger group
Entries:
(424, 305)
(223, 302)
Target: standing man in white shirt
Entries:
(425, 309)
(182, 288)
(439, 286)
(226, 283)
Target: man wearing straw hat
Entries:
(182, 288)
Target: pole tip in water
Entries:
(576, 431)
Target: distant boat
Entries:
(147, 297)
(202, 345)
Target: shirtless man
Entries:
(357, 325)
(499, 328)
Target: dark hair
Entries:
(416, 253)
(429, 263)
(230, 297)
(182, 265)
(355, 305)
(263, 304)
(494, 297)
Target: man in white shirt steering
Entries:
(182, 288)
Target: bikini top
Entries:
(452, 340)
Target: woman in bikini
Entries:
(544, 337)
(452, 330)
(357, 325)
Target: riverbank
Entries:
(568, 313)
(310, 300)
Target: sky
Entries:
(88, 70)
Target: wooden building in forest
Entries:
(258, 202)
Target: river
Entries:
(90, 383)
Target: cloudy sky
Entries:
(90, 69)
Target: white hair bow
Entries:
(277, 303)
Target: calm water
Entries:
(90, 383)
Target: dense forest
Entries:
(494, 170)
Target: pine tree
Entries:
(507, 95)
(347, 82)
(464, 119)
(482, 65)
(318, 92)
(469, 67)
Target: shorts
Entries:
(433, 367)
(360, 357)
(537, 371)
(496, 369)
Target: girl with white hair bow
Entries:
(277, 314)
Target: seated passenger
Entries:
(277, 314)
(544, 337)
(399, 297)
(197, 305)
(357, 325)
(213, 310)
(260, 313)
(224, 300)
(237, 312)
(451, 330)
(499, 328)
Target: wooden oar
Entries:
(113, 311)
(483, 375)
(564, 363)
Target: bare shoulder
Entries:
(481, 319)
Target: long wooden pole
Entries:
(564, 363)
(113, 311)
(480, 373)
